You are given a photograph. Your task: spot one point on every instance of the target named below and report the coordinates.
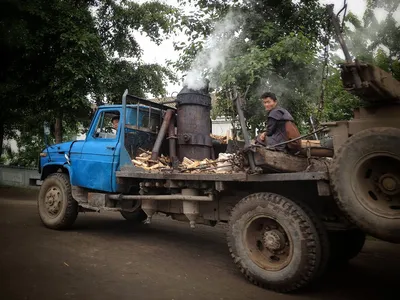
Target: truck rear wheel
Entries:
(136, 216)
(345, 245)
(57, 208)
(277, 243)
(365, 178)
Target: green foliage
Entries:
(274, 49)
(374, 42)
(339, 104)
(277, 47)
(59, 54)
(147, 78)
(118, 20)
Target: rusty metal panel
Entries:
(375, 116)
(220, 186)
(99, 200)
(299, 176)
(376, 84)
(364, 118)
(380, 112)
(357, 126)
(79, 194)
(339, 132)
(324, 188)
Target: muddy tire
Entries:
(276, 243)
(365, 179)
(345, 245)
(57, 209)
(136, 216)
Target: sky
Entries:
(159, 54)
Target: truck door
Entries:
(96, 167)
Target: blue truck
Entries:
(284, 227)
(289, 216)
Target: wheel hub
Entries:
(53, 200)
(389, 184)
(273, 240)
(376, 184)
(268, 244)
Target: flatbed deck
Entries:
(133, 172)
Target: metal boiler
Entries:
(194, 123)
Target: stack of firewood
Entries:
(187, 166)
(144, 161)
(223, 139)
(197, 166)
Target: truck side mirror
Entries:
(46, 129)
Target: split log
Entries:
(269, 160)
(310, 143)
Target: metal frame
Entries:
(128, 172)
(364, 118)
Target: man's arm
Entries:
(271, 126)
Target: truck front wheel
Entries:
(276, 243)
(57, 209)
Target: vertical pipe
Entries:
(172, 143)
(137, 114)
(245, 134)
(340, 39)
(148, 125)
(123, 120)
(339, 36)
(161, 134)
(191, 208)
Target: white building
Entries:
(221, 126)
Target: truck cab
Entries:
(91, 163)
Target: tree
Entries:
(277, 45)
(368, 41)
(271, 45)
(59, 54)
(374, 42)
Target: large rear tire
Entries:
(136, 216)
(365, 178)
(57, 209)
(134, 213)
(345, 245)
(276, 243)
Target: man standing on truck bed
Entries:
(280, 126)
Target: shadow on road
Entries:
(372, 275)
(161, 251)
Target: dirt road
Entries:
(104, 257)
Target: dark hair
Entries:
(114, 118)
(269, 95)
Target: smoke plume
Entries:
(214, 53)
